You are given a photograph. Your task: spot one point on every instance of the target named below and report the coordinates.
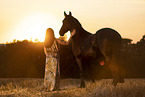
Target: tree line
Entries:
(25, 59)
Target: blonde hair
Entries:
(49, 38)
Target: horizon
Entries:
(25, 19)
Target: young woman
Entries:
(51, 49)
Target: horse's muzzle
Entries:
(60, 33)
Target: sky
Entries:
(29, 19)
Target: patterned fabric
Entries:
(53, 49)
(51, 67)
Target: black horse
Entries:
(87, 45)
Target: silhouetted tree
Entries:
(27, 59)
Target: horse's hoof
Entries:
(56, 90)
(82, 86)
(121, 81)
(93, 81)
(114, 83)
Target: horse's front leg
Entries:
(81, 73)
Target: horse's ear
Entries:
(65, 14)
(70, 13)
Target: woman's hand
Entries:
(68, 42)
(73, 32)
(62, 42)
(45, 51)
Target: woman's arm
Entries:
(45, 51)
(68, 42)
(62, 41)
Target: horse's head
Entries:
(69, 23)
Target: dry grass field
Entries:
(70, 88)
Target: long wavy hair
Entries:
(49, 38)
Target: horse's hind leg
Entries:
(118, 63)
(108, 49)
(81, 73)
(118, 68)
(114, 69)
(121, 72)
(112, 65)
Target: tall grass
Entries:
(70, 88)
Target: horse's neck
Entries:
(82, 32)
(81, 35)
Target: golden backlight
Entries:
(34, 27)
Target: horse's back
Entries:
(109, 34)
(108, 40)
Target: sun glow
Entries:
(67, 35)
(33, 27)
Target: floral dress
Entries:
(51, 67)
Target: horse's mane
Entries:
(79, 25)
(77, 22)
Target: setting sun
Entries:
(34, 26)
(29, 19)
